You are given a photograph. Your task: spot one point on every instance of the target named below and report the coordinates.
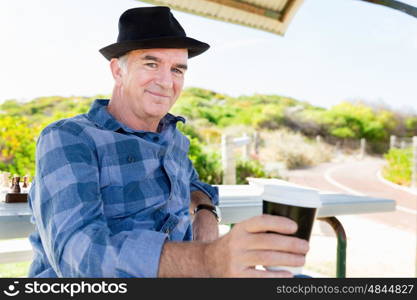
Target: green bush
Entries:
(189, 131)
(206, 163)
(411, 126)
(249, 168)
(17, 145)
(21, 123)
(398, 168)
(357, 120)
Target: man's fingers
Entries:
(266, 223)
(263, 240)
(273, 241)
(272, 258)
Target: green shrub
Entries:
(249, 168)
(357, 120)
(411, 126)
(206, 163)
(17, 145)
(189, 130)
(398, 168)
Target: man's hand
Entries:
(248, 244)
(238, 252)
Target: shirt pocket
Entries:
(125, 183)
(124, 168)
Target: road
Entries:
(361, 177)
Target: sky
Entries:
(333, 50)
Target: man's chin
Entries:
(157, 114)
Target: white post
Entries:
(402, 144)
(414, 164)
(362, 149)
(257, 141)
(318, 139)
(228, 160)
(392, 141)
(414, 178)
(246, 151)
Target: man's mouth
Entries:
(157, 94)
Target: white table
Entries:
(237, 203)
(240, 202)
(14, 220)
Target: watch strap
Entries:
(208, 207)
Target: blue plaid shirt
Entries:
(106, 197)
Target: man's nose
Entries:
(164, 79)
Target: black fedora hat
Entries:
(148, 28)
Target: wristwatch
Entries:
(213, 209)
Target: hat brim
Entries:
(194, 47)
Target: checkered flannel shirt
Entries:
(106, 197)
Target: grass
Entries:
(14, 269)
(398, 168)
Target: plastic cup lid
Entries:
(291, 195)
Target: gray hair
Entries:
(122, 61)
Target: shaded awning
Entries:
(272, 16)
(268, 15)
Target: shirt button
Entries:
(130, 159)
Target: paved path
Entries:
(361, 177)
(380, 244)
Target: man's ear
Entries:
(116, 71)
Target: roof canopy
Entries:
(268, 15)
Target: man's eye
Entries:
(178, 71)
(152, 65)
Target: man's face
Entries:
(153, 81)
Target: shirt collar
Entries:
(99, 114)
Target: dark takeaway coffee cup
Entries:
(296, 203)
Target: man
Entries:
(114, 187)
